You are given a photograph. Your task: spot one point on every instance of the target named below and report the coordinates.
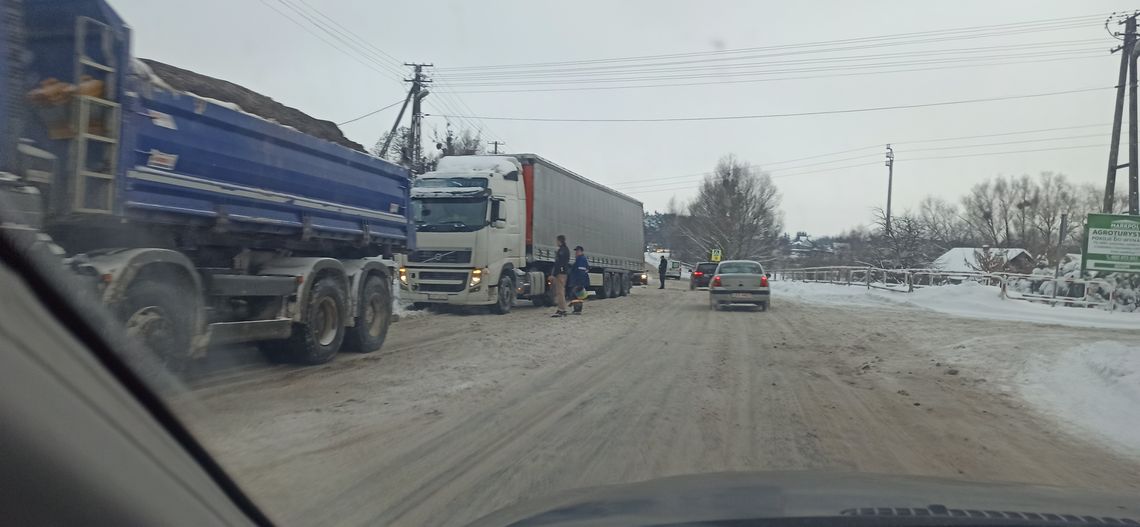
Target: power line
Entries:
(306, 28)
(690, 186)
(368, 51)
(343, 38)
(394, 60)
(775, 115)
(777, 79)
(369, 114)
(657, 68)
(1006, 152)
(686, 74)
(995, 29)
(768, 166)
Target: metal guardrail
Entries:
(907, 280)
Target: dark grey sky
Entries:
(248, 42)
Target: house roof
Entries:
(964, 259)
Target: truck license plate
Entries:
(742, 296)
(437, 297)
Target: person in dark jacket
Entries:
(661, 268)
(561, 268)
(579, 280)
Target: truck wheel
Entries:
(628, 281)
(505, 298)
(318, 337)
(604, 291)
(158, 324)
(375, 315)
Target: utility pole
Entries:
(415, 133)
(495, 145)
(1127, 76)
(395, 126)
(890, 183)
(1133, 155)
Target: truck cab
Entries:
(469, 215)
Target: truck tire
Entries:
(158, 325)
(318, 337)
(624, 284)
(604, 291)
(374, 318)
(505, 296)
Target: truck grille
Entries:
(453, 257)
(442, 275)
(440, 288)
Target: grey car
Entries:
(739, 282)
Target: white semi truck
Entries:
(486, 228)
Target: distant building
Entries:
(985, 259)
(802, 246)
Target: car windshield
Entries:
(410, 263)
(739, 268)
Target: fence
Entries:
(1091, 292)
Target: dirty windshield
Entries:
(453, 213)
(413, 263)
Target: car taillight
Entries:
(698, 273)
(716, 281)
(763, 281)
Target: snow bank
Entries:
(1094, 388)
(969, 299)
(401, 308)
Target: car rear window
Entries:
(706, 268)
(740, 268)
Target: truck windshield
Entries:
(451, 182)
(449, 214)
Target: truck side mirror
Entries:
(497, 212)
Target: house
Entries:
(804, 247)
(985, 259)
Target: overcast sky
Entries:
(248, 42)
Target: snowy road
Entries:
(461, 415)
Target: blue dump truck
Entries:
(196, 223)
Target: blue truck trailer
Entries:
(197, 223)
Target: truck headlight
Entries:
(404, 275)
(476, 278)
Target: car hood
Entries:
(751, 495)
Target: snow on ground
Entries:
(1095, 387)
(966, 300)
(401, 308)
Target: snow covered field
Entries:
(967, 300)
(1091, 389)
(1094, 387)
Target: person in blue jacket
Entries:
(579, 280)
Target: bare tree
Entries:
(1056, 196)
(908, 245)
(737, 211)
(942, 223)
